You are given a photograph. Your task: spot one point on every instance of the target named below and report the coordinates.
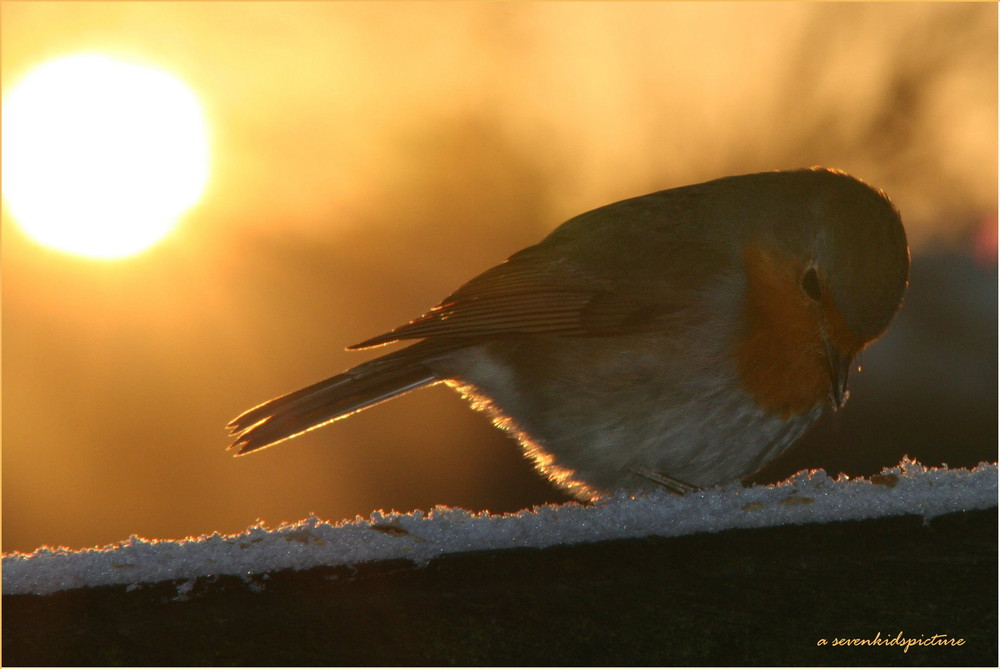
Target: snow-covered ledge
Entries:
(808, 497)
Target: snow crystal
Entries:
(807, 497)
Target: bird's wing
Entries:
(524, 296)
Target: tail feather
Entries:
(324, 402)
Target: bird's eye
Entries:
(810, 284)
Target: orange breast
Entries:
(780, 352)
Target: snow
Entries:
(808, 497)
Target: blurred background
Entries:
(366, 159)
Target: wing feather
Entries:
(518, 297)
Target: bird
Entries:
(677, 340)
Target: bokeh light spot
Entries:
(100, 156)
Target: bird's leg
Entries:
(671, 484)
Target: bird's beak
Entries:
(840, 367)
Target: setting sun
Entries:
(100, 156)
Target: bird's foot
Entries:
(672, 485)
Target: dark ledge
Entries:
(741, 597)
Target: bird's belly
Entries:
(595, 428)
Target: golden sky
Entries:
(368, 158)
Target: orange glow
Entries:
(101, 157)
(366, 160)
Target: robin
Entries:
(683, 338)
